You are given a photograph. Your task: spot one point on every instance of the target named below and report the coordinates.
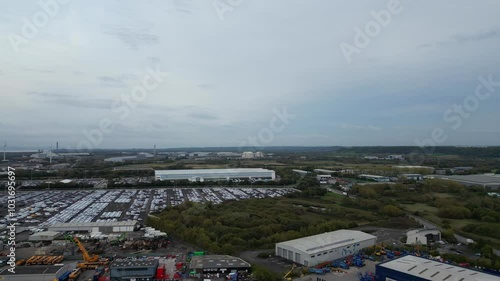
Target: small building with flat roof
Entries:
(217, 264)
(36, 272)
(104, 227)
(301, 172)
(44, 236)
(422, 236)
(323, 171)
(323, 178)
(130, 269)
(412, 268)
(374, 178)
(414, 177)
(329, 246)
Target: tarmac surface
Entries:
(351, 274)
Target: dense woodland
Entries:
(464, 210)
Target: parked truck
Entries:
(63, 277)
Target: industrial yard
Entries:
(113, 226)
(56, 227)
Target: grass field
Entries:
(332, 195)
(424, 209)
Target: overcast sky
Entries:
(231, 68)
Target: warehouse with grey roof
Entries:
(487, 180)
(104, 227)
(217, 264)
(329, 246)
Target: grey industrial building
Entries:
(375, 178)
(324, 171)
(329, 246)
(44, 236)
(36, 272)
(133, 270)
(200, 175)
(217, 265)
(104, 227)
(488, 180)
(422, 236)
(413, 177)
(411, 268)
(301, 172)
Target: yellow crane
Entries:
(89, 262)
(86, 256)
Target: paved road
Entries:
(428, 224)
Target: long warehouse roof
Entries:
(212, 171)
(328, 240)
(94, 224)
(433, 270)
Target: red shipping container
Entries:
(160, 273)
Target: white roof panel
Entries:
(328, 240)
(433, 270)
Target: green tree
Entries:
(263, 274)
(392, 211)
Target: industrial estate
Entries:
(291, 213)
(241, 140)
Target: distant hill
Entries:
(481, 152)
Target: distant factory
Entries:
(139, 156)
(252, 155)
(374, 178)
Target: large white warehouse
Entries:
(215, 174)
(329, 246)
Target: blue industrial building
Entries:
(412, 268)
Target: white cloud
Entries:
(228, 76)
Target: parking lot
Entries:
(351, 274)
(280, 266)
(40, 209)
